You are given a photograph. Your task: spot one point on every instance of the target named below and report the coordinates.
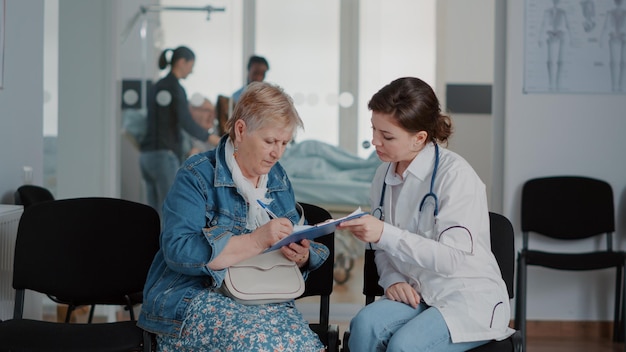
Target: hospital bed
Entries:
(329, 176)
(338, 181)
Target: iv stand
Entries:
(143, 10)
(141, 14)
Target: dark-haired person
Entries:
(257, 68)
(430, 229)
(168, 115)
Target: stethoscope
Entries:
(380, 214)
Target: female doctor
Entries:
(430, 229)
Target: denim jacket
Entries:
(202, 211)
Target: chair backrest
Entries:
(320, 281)
(85, 250)
(28, 195)
(562, 207)
(502, 245)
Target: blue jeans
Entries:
(387, 325)
(158, 169)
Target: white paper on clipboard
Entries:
(314, 231)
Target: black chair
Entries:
(502, 238)
(87, 251)
(28, 195)
(320, 282)
(568, 208)
(502, 246)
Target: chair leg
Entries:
(129, 307)
(148, 342)
(91, 312)
(68, 313)
(617, 319)
(520, 299)
(622, 322)
(518, 303)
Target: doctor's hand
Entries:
(403, 292)
(366, 228)
(273, 231)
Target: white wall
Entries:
(21, 98)
(51, 71)
(465, 55)
(89, 138)
(552, 134)
(21, 102)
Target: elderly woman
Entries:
(212, 220)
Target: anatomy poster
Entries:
(575, 46)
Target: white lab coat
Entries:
(448, 261)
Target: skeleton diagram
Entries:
(556, 27)
(589, 13)
(615, 26)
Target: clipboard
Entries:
(314, 231)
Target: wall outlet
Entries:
(27, 175)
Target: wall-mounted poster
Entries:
(2, 10)
(575, 46)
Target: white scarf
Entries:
(256, 215)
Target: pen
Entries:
(269, 212)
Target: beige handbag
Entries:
(265, 278)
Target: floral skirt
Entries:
(214, 322)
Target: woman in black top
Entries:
(168, 116)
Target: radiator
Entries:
(9, 220)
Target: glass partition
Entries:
(300, 39)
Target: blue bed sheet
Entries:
(328, 175)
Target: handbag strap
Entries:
(301, 211)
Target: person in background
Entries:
(443, 290)
(203, 113)
(212, 220)
(168, 115)
(257, 68)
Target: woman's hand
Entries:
(243, 247)
(403, 292)
(366, 228)
(297, 252)
(272, 232)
